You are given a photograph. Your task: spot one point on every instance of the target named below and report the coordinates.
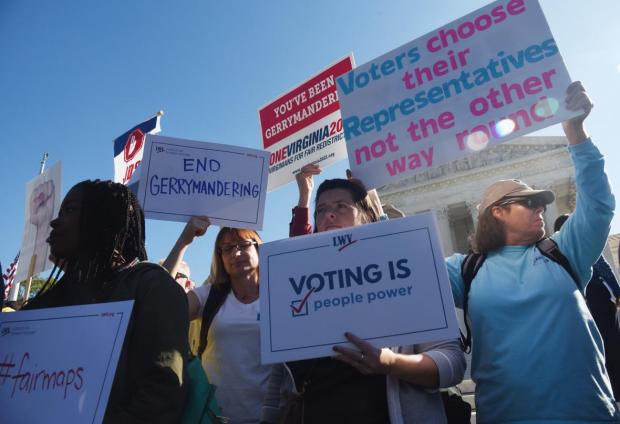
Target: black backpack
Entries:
(217, 297)
(473, 262)
(201, 406)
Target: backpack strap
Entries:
(469, 268)
(473, 262)
(550, 249)
(215, 300)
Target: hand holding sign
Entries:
(197, 226)
(368, 359)
(305, 183)
(576, 99)
(418, 369)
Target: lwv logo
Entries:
(343, 241)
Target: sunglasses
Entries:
(528, 202)
(180, 275)
(241, 246)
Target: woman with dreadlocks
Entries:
(98, 240)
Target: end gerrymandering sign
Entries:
(57, 365)
(182, 178)
(316, 287)
(304, 126)
(486, 78)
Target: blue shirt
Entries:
(537, 354)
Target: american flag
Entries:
(9, 275)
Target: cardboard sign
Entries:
(183, 178)
(42, 204)
(304, 126)
(57, 365)
(129, 148)
(486, 78)
(315, 288)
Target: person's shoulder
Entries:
(455, 259)
(148, 277)
(203, 290)
(144, 271)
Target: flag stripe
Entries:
(9, 275)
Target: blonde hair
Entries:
(218, 272)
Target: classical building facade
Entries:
(453, 190)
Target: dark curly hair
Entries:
(111, 234)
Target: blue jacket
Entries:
(537, 355)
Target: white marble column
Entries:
(445, 232)
(551, 214)
(552, 211)
(472, 205)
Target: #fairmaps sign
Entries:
(57, 365)
(386, 282)
(489, 77)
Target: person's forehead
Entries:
(231, 237)
(335, 195)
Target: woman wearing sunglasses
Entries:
(537, 356)
(232, 355)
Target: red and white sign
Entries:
(304, 126)
(129, 147)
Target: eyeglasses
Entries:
(528, 202)
(340, 208)
(242, 246)
(180, 275)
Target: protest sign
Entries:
(57, 365)
(304, 126)
(486, 78)
(385, 282)
(129, 148)
(182, 178)
(42, 204)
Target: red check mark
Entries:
(297, 310)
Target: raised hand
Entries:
(197, 226)
(305, 183)
(577, 99)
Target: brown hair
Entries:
(358, 193)
(490, 233)
(219, 274)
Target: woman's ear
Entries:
(498, 212)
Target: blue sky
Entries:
(76, 74)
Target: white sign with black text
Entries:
(183, 178)
(385, 282)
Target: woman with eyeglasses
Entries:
(232, 355)
(365, 384)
